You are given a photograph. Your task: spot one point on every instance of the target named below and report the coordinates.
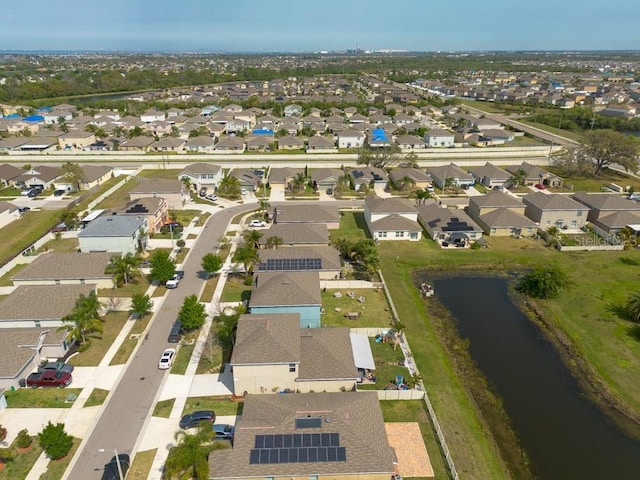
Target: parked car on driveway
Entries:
(111, 469)
(57, 367)
(58, 193)
(23, 209)
(26, 192)
(223, 432)
(540, 186)
(203, 191)
(212, 197)
(257, 223)
(166, 360)
(192, 420)
(49, 378)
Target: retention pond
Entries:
(565, 436)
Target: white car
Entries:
(243, 191)
(257, 223)
(166, 360)
(173, 283)
(212, 197)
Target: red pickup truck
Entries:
(49, 378)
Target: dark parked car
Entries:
(33, 193)
(176, 332)
(111, 468)
(57, 367)
(61, 227)
(193, 419)
(49, 378)
(58, 193)
(23, 209)
(203, 191)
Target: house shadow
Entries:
(634, 332)
(629, 261)
(619, 311)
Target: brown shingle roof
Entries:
(16, 347)
(552, 202)
(326, 354)
(355, 416)
(389, 205)
(496, 198)
(285, 288)
(297, 234)
(267, 339)
(41, 302)
(62, 266)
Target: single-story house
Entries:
(115, 233)
(410, 143)
(230, 144)
(141, 143)
(93, 175)
(67, 269)
(418, 177)
(23, 349)
(155, 209)
(200, 144)
(42, 175)
(296, 235)
(284, 176)
(323, 178)
(459, 178)
(301, 214)
(534, 175)
(322, 259)
(367, 177)
(350, 422)
(30, 306)
(290, 142)
(318, 143)
(555, 210)
(273, 353)
(173, 191)
(168, 144)
(249, 178)
(288, 292)
(612, 223)
(490, 176)
(447, 224)
(601, 204)
(8, 173)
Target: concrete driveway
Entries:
(277, 193)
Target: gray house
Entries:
(555, 210)
(115, 233)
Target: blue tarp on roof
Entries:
(379, 135)
(34, 118)
(262, 131)
(44, 110)
(13, 115)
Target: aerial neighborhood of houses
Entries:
(315, 328)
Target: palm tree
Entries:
(274, 242)
(189, 459)
(518, 178)
(252, 237)
(247, 255)
(263, 205)
(406, 183)
(299, 181)
(632, 306)
(123, 268)
(421, 196)
(83, 319)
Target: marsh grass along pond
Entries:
(565, 436)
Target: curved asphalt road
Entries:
(129, 406)
(125, 414)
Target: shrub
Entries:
(55, 442)
(545, 282)
(3, 433)
(24, 440)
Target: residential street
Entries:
(130, 406)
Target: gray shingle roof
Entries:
(496, 198)
(297, 234)
(395, 222)
(326, 354)
(503, 217)
(604, 201)
(61, 266)
(285, 288)
(41, 302)
(552, 202)
(436, 218)
(113, 226)
(16, 347)
(355, 416)
(389, 205)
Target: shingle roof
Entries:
(141, 206)
(326, 354)
(41, 302)
(297, 234)
(503, 217)
(437, 218)
(490, 171)
(397, 223)
(61, 266)
(552, 202)
(416, 174)
(16, 347)
(285, 288)
(376, 204)
(306, 214)
(496, 198)
(355, 416)
(618, 220)
(604, 201)
(329, 256)
(113, 226)
(267, 339)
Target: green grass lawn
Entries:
(182, 360)
(22, 233)
(97, 397)
(56, 468)
(62, 245)
(141, 465)
(374, 311)
(594, 184)
(416, 411)
(211, 358)
(127, 347)
(209, 289)
(40, 397)
(163, 408)
(6, 280)
(352, 226)
(220, 405)
(100, 342)
(120, 197)
(235, 290)
(139, 284)
(22, 462)
(547, 128)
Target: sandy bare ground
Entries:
(406, 439)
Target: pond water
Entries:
(565, 436)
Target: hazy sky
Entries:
(307, 25)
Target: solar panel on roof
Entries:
(293, 264)
(259, 441)
(268, 441)
(254, 457)
(341, 454)
(314, 447)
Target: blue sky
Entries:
(305, 25)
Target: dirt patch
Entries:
(406, 439)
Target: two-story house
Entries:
(392, 219)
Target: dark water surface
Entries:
(566, 437)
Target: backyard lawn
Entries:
(235, 290)
(220, 405)
(374, 311)
(22, 233)
(595, 184)
(40, 397)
